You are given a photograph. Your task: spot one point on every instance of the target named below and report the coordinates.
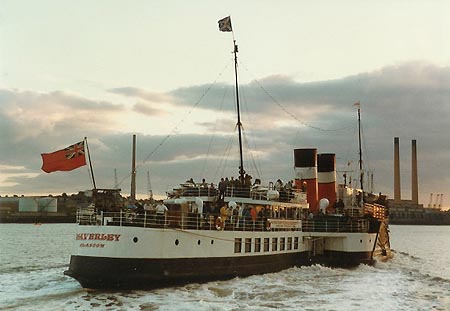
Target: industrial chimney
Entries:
(414, 179)
(397, 190)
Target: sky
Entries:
(162, 70)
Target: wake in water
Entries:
(415, 279)
(387, 285)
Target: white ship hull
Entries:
(136, 257)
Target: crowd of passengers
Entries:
(225, 215)
(239, 187)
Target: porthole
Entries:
(198, 242)
(135, 239)
(177, 242)
(212, 242)
(360, 241)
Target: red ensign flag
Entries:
(66, 159)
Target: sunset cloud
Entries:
(279, 114)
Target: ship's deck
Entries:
(191, 221)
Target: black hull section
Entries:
(129, 273)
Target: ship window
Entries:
(289, 243)
(282, 240)
(135, 239)
(198, 242)
(274, 244)
(296, 242)
(212, 242)
(237, 245)
(177, 242)
(257, 245)
(248, 245)
(266, 244)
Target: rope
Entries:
(257, 170)
(288, 112)
(247, 141)
(212, 135)
(223, 161)
(176, 126)
(294, 117)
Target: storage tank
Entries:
(10, 202)
(48, 204)
(28, 204)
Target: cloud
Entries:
(27, 114)
(279, 114)
(149, 96)
(148, 109)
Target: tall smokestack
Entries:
(305, 163)
(326, 176)
(414, 179)
(397, 190)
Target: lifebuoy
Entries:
(219, 223)
(268, 225)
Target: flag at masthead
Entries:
(225, 24)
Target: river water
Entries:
(33, 258)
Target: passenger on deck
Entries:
(224, 214)
(339, 206)
(231, 182)
(261, 215)
(235, 216)
(222, 188)
(279, 185)
(148, 207)
(139, 209)
(191, 181)
(207, 209)
(247, 180)
(245, 218)
(204, 184)
(288, 185)
(257, 182)
(253, 214)
(283, 213)
(161, 211)
(228, 186)
(304, 186)
(238, 183)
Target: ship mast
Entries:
(361, 178)
(225, 25)
(239, 124)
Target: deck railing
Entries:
(256, 193)
(333, 225)
(233, 223)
